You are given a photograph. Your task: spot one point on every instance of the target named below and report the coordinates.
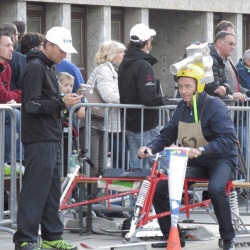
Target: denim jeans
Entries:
(134, 143)
(219, 171)
(19, 155)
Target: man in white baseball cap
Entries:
(42, 106)
(138, 85)
(141, 32)
(61, 37)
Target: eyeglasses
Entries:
(231, 43)
(17, 34)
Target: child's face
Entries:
(66, 86)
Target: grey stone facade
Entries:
(177, 23)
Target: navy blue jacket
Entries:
(244, 75)
(216, 125)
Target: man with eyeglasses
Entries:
(223, 46)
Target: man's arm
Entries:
(34, 102)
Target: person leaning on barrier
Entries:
(10, 97)
(209, 133)
(18, 61)
(42, 109)
(237, 91)
(104, 78)
(138, 85)
(223, 46)
(243, 67)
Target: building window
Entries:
(36, 17)
(78, 20)
(245, 32)
(117, 24)
(217, 19)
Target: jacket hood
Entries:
(33, 54)
(133, 53)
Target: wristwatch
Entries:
(202, 150)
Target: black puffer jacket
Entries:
(41, 105)
(220, 78)
(138, 85)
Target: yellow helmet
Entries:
(196, 72)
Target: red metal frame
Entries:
(154, 178)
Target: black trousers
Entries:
(40, 195)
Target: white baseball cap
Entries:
(61, 37)
(141, 32)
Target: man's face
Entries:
(231, 30)
(227, 46)
(54, 53)
(15, 39)
(6, 49)
(187, 88)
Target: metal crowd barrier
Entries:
(242, 127)
(7, 218)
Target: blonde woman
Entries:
(108, 59)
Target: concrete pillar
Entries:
(11, 11)
(180, 29)
(132, 16)
(98, 30)
(58, 15)
(236, 19)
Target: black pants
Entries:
(40, 195)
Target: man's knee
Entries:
(215, 191)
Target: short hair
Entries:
(20, 25)
(246, 56)
(30, 40)
(4, 33)
(65, 75)
(222, 35)
(223, 25)
(107, 51)
(10, 27)
(139, 45)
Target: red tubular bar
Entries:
(154, 178)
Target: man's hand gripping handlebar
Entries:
(144, 152)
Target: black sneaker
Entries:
(27, 246)
(164, 244)
(228, 245)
